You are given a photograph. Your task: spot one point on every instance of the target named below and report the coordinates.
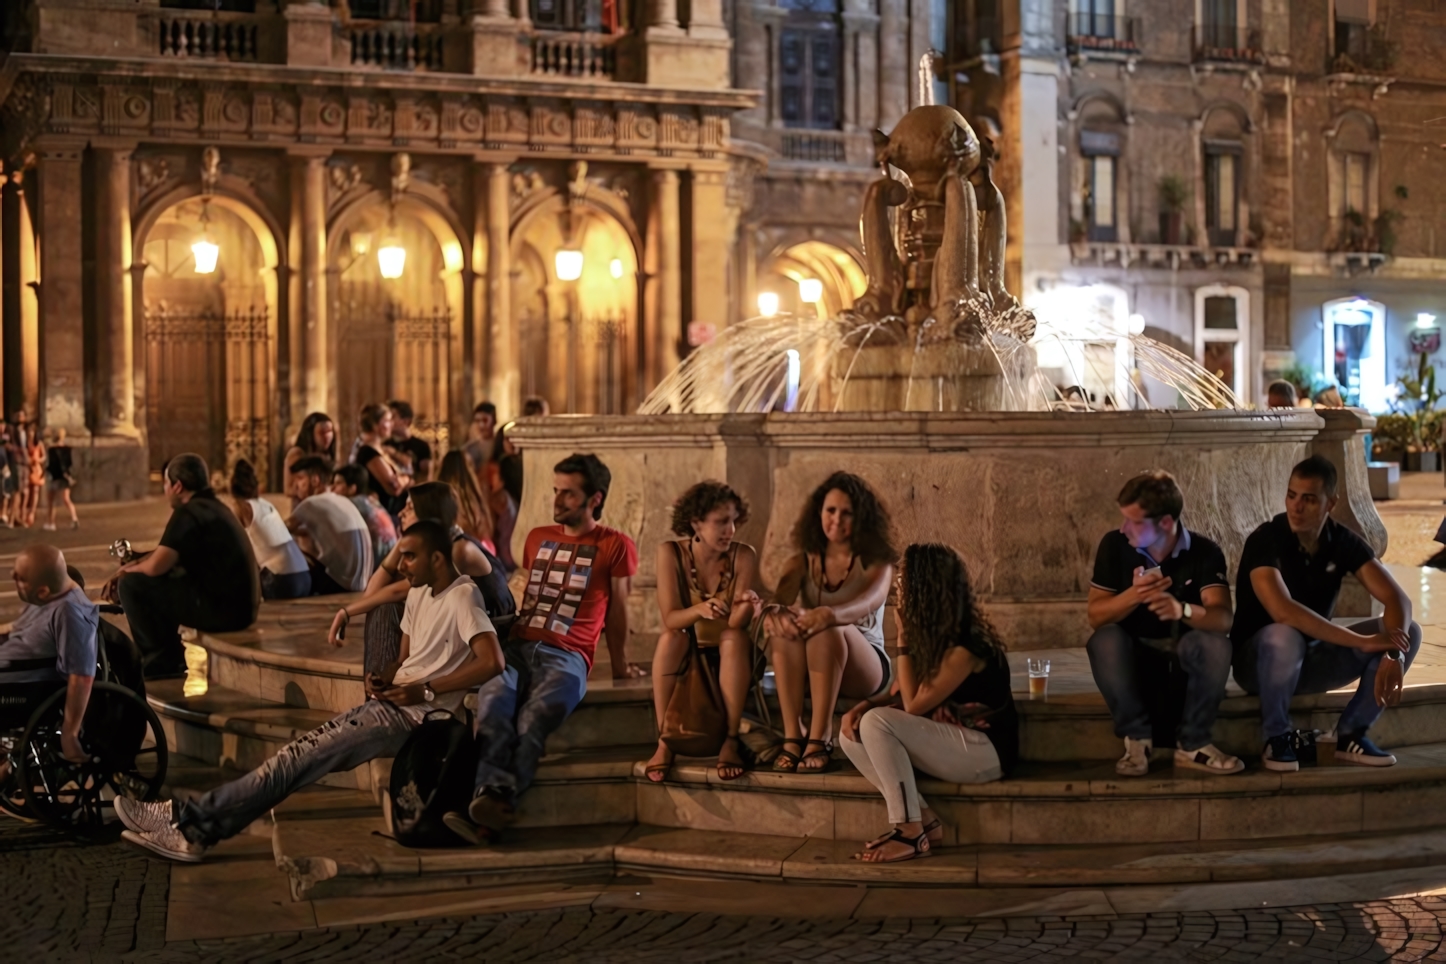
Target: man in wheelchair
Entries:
(53, 642)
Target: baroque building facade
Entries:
(1252, 182)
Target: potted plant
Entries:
(1420, 391)
(1390, 437)
(1174, 194)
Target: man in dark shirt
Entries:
(418, 454)
(1285, 643)
(202, 575)
(1159, 586)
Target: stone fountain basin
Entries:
(1024, 496)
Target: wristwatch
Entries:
(1187, 613)
(427, 693)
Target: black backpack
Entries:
(432, 774)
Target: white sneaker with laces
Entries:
(143, 817)
(1136, 761)
(168, 842)
(1210, 759)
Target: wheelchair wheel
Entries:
(127, 750)
(12, 798)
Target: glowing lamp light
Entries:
(568, 263)
(391, 259)
(205, 251)
(1424, 320)
(615, 268)
(767, 304)
(810, 291)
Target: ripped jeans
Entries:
(359, 735)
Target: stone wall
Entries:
(1025, 497)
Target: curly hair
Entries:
(938, 609)
(872, 539)
(699, 502)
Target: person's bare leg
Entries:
(840, 662)
(734, 675)
(790, 673)
(69, 504)
(50, 507)
(666, 660)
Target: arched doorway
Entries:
(396, 338)
(811, 269)
(209, 335)
(578, 336)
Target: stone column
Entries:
(711, 248)
(116, 327)
(1343, 442)
(12, 196)
(669, 287)
(705, 20)
(309, 180)
(62, 329)
(504, 382)
(662, 16)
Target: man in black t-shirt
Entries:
(1159, 588)
(417, 461)
(1285, 643)
(202, 575)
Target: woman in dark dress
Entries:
(389, 485)
(949, 714)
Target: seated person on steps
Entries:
(52, 643)
(950, 714)
(284, 571)
(1285, 643)
(579, 574)
(329, 529)
(826, 629)
(203, 574)
(448, 648)
(705, 519)
(1158, 586)
(352, 482)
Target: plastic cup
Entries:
(1038, 678)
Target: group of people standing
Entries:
(29, 466)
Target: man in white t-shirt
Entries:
(448, 648)
(330, 530)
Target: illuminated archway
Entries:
(208, 339)
(833, 273)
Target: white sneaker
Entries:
(49, 527)
(143, 817)
(1136, 761)
(1210, 759)
(168, 842)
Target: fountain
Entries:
(931, 388)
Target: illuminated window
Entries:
(1222, 194)
(1355, 350)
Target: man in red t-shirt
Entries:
(579, 573)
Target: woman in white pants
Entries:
(950, 712)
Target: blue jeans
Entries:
(357, 736)
(520, 707)
(1205, 657)
(1278, 662)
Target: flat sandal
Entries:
(888, 835)
(787, 761)
(827, 753)
(741, 766)
(919, 843)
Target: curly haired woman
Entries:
(719, 606)
(951, 714)
(826, 627)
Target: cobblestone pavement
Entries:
(60, 901)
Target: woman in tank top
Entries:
(951, 714)
(825, 627)
(719, 605)
(284, 572)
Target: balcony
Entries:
(1091, 34)
(583, 56)
(396, 45)
(1227, 43)
(821, 147)
(232, 37)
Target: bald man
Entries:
(53, 641)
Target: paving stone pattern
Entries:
(107, 902)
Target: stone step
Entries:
(346, 856)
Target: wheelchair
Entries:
(121, 734)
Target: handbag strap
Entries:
(685, 596)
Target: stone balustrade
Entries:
(583, 56)
(238, 38)
(396, 46)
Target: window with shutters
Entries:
(809, 63)
(1222, 195)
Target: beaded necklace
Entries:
(725, 573)
(823, 583)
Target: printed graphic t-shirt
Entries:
(569, 581)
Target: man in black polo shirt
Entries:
(1159, 586)
(202, 575)
(1285, 643)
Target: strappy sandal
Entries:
(741, 766)
(787, 761)
(658, 768)
(827, 753)
(919, 843)
(885, 837)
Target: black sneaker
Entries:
(1279, 753)
(1357, 748)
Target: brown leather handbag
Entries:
(696, 720)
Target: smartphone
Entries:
(1153, 572)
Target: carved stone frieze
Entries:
(227, 112)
